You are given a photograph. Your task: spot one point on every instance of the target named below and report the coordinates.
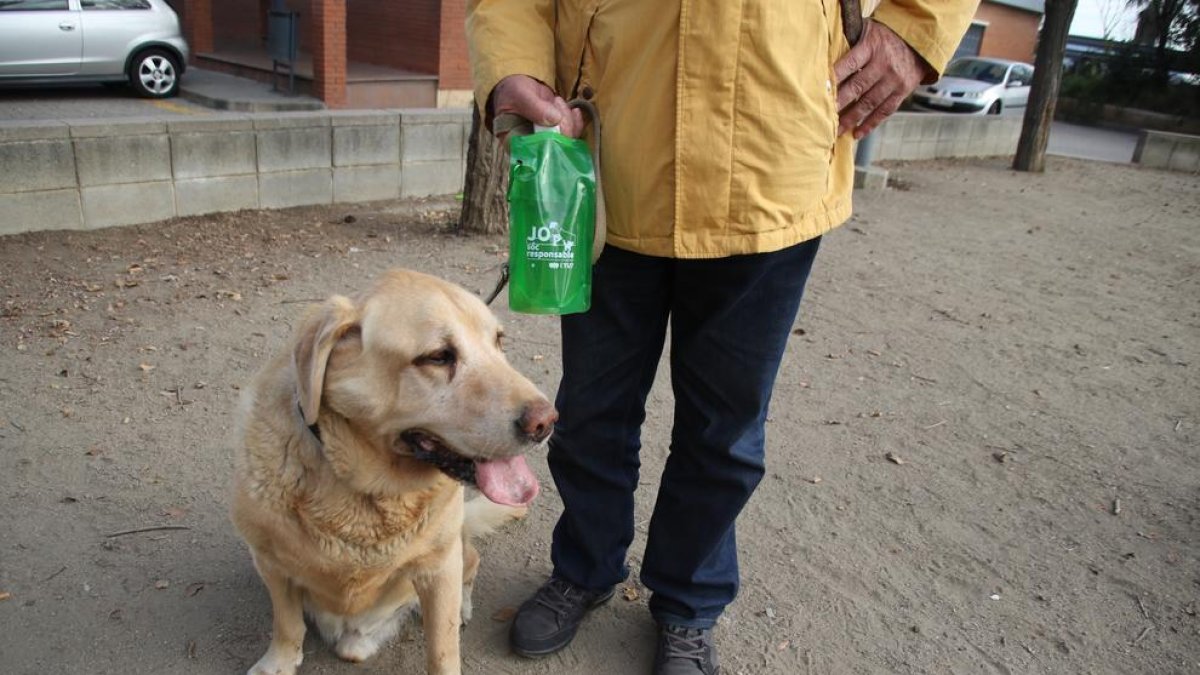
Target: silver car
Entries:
(976, 85)
(134, 41)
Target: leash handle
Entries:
(852, 21)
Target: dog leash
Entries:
(515, 125)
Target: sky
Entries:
(1091, 17)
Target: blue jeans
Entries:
(730, 319)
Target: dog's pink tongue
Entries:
(506, 481)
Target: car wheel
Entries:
(154, 73)
(995, 109)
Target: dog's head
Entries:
(415, 367)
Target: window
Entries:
(33, 5)
(114, 4)
(971, 42)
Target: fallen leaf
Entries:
(4, 595)
(161, 584)
(193, 589)
(146, 367)
(784, 645)
(67, 412)
(894, 458)
(799, 331)
(1000, 456)
(629, 593)
(504, 614)
(191, 649)
(814, 480)
(175, 512)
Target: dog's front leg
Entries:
(287, 627)
(440, 591)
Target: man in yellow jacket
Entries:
(727, 152)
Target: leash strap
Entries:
(852, 21)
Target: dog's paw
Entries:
(274, 663)
(468, 607)
(356, 647)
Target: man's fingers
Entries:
(889, 106)
(854, 116)
(860, 83)
(852, 61)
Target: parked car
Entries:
(976, 85)
(53, 41)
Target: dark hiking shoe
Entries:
(685, 651)
(547, 622)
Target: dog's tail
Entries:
(483, 516)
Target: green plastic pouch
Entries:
(552, 213)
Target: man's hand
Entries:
(529, 98)
(874, 78)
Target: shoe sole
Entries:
(534, 654)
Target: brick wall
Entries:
(395, 34)
(1010, 33)
(329, 52)
(454, 72)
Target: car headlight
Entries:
(972, 94)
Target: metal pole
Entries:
(866, 149)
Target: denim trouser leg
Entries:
(730, 323)
(730, 318)
(610, 356)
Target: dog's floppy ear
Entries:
(318, 335)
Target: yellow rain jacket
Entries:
(719, 116)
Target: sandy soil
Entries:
(1024, 348)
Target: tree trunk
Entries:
(485, 210)
(1043, 95)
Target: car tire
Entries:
(995, 109)
(154, 73)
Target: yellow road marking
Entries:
(174, 107)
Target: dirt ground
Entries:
(982, 449)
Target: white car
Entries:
(51, 41)
(977, 85)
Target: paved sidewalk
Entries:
(1080, 142)
(227, 92)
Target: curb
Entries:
(247, 106)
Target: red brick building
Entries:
(352, 53)
(413, 53)
(1006, 29)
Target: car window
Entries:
(974, 69)
(32, 5)
(115, 4)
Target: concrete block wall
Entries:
(87, 174)
(913, 136)
(1162, 150)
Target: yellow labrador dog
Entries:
(357, 442)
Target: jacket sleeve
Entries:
(933, 28)
(509, 37)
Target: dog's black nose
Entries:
(537, 421)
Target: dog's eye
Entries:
(442, 357)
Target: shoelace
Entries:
(685, 643)
(556, 596)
